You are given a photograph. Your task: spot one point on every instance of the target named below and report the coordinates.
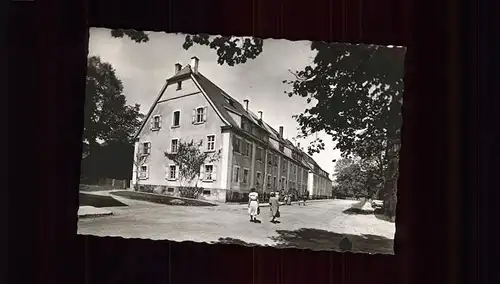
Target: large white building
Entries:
(253, 154)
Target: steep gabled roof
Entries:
(224, 102)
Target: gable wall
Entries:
(184, 100)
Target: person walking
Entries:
(253, 205)
(305, 196)
(274, 206)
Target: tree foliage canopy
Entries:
(137, 36)
(107, 115)
(357, 178)
(231, 50)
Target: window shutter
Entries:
(151, 122)
(159, 121)
(147, 172)
(202, 171)
(204, 113)
(194, 116)
(176, 172)
(214, 172)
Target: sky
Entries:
(144, 67)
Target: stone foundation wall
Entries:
(209, 194)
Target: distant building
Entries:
(191, 107)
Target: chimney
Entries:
(177, 68)
(246, 104)
(281, 131)
(194, 64)
(260, 115)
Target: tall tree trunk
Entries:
(391, 181)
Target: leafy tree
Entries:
(189, 158)
(351, 179)
(107, 115)
(357, 178)
(137, 36)
(231, 50)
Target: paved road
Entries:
(320, 225)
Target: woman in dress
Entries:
(253, 204)
(274, 206)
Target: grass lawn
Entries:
(86, 199)
(162, 199)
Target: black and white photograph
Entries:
(241, 140)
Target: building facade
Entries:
(252, 153)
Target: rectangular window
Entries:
(211, 143)
(283, 181)
(268, 180)
(174, 145)
(274, 182)
(275, 160)
(258, 178)
(236, 174)
(208, 174)
(269, 158)
(176, 121)
(143, 172)
(200, 115)
(236, 144)
(172, 172)
(259, 154)
(146, 148)
(156, 123)
(247, 149)
(245, 175)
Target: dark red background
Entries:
(48, 62)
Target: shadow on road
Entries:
(86, 199)
(233, 241)
(356, 211)
(316, 239)
(378, 214)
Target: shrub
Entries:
(190, 191)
